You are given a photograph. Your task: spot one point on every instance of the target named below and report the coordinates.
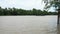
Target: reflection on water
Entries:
(58, 29)
(28, 25)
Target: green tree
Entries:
(34, 11)
(1, 12)
(15, 11)
(53, 3)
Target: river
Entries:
(28, 24)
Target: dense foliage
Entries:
(15, 11)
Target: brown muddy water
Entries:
(28, 25)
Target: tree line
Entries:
(15, 11)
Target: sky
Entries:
(24, 4)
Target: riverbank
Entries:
(28, 15)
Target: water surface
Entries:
(28, 24)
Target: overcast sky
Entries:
(24, 4)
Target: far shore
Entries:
(28, 15)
